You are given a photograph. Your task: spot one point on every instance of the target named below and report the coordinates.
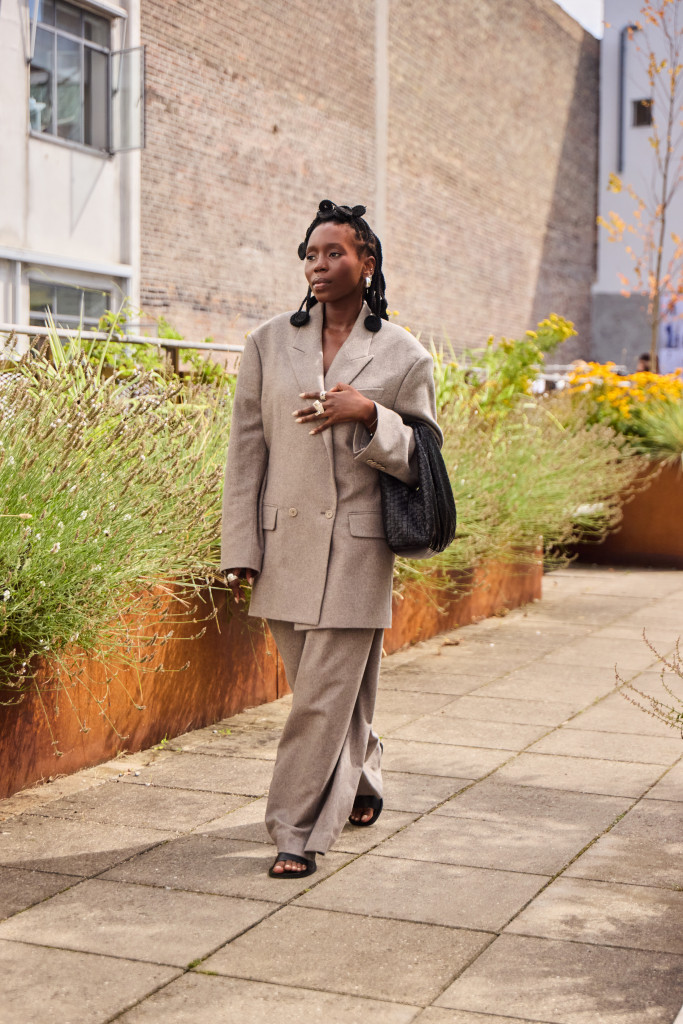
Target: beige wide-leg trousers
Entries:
(328, 752)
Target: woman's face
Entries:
(334, 268)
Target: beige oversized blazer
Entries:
(304, 511)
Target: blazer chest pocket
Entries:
(366, 524)
(268, 516)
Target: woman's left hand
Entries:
(342, 404)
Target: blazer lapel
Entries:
(306, 356)
(354, 355)
(305, 352)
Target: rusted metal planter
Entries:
(650, 533)
(235, 665)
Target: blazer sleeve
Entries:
(390, 449)
(241, 536)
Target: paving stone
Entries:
(670, 787)
(200, 999)
(644, 848)
(498, 709)
(71, 847)
(359, 840)
(634, 861)
(569, 983)
(246, 776)
(429, 892)
(55, 986)
(449, 682)
(616, 714)
(662, 750)
(135, 921)
(544, 681)
(398, 961)
(405, 791)
(441, 759)
(152, 806)
(252, 742)
(443, 728)
(580, 774)
(544, 848)
(414, 705)
(607, 914)
(225, 867)
(658, 820)
(601, 651)
(590, 608)
(20, 889)
(494, 800)
(439, 1015)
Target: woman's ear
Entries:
(369, 267)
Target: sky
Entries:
(587, 12)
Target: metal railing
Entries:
(30, 331)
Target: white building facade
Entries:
(72, 114)
(620, 325)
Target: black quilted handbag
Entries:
(419, 521)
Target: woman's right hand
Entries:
(234, 584)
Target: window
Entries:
(642, 113)
(80, 90)
(69, 72)
(69, 305)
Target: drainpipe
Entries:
(623, 35)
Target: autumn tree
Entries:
(655, 249)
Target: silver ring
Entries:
(231, 577)
(319, 408)
(323, 396)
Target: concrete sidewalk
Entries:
(527, 868)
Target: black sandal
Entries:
(375, 802)
(311, 866)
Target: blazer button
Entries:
(293, 512)
(329, 514)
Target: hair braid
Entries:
(374, 295)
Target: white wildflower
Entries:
(38, 536)
(72, 489)
(55, 548)
(83, 515)
(142, 458)
(41, 583)
(60, 526)
(127, 517)
(11, 460)
(6, 595)
(112, 506)
(106, 533)
(96, 568)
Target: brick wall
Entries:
(257, 110)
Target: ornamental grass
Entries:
(111, 492)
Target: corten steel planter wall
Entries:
(231, 668)
(650, 533)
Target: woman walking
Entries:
(317, 417)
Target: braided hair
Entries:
(369, 242)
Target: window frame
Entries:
(67, 320)
(56, 32)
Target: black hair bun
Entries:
(302, 250)
(373, 323)
(326, 206)
(359, 211)
(301, 317)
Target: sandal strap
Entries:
(368, 801)
(281, 857)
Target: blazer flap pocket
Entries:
(366, 524)
(268, 516)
